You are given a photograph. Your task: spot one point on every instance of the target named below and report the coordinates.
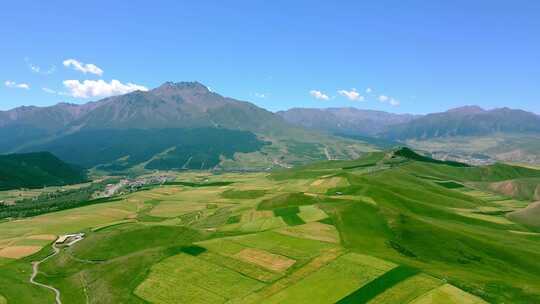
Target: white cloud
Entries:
(369, 90)
(319, 95)
(100, 88)
(13, 84)
(351, 95)
(260, 95)
(390, 100)
(83, 67)
(47, 90)
(51, 91)
(37, 69)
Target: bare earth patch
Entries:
(265, 259)
(506, 188)
(16, 252)
(529, 216)
(255, 214)
(317, 182)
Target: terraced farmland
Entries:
(402, 231)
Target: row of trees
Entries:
(54, 201)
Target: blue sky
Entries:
(425, 55)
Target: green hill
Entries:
(35, 170)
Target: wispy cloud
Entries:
(15, 85)
(390, 100)
(351, 95)
(37, 69)
(100, 88)
(51, 91)
(369, 90)
(261, 95)
(319, 95)
(83, 67)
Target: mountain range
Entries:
(185, 125)
(176, 125)
(349, 121)
(467, 133)
(467, 121)
(463, 121)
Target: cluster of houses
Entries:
(134, 185)
(131, 185)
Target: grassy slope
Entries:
(389, 208)
(412, 225)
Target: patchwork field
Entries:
(380, 229)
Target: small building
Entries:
(69, 239)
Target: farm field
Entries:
(384, 228)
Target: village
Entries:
(132, 185)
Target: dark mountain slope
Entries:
(120, 149)
(34, 170)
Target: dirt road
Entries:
(35, 270)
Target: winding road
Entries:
(35, 270)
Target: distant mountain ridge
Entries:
(462, 121)
(350, 121)
(468, 133)
(176, 125)
(466, 121)
(185, 125)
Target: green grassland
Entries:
(385, 228)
